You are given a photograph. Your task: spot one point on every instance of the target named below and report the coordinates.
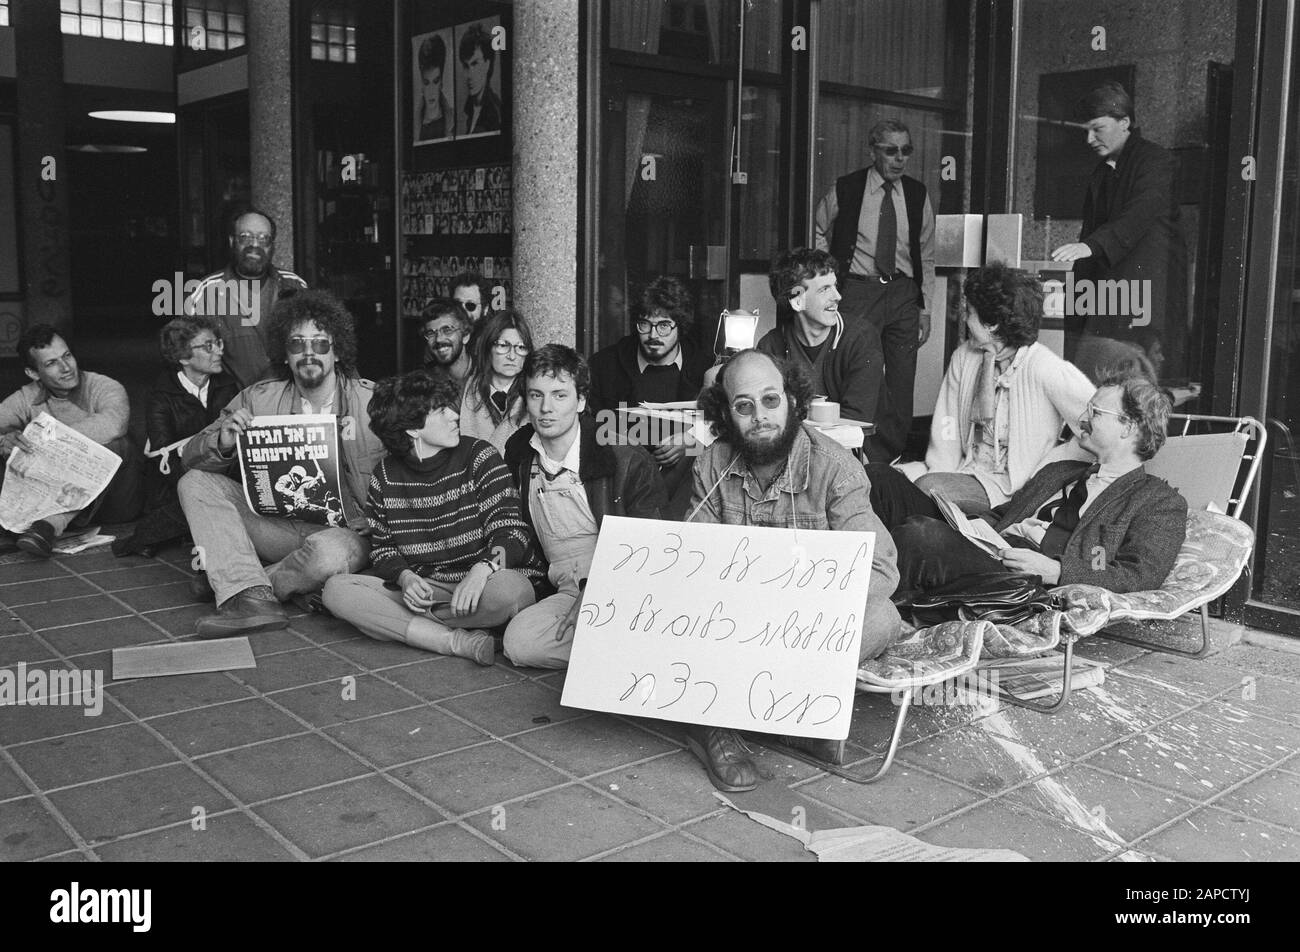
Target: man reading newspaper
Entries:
(314, 344)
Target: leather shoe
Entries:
(725, 757)
(242, 615)
(201, 588)
(38, 540)
(828, 751)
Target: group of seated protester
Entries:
(474, 489)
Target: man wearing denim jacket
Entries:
(768, 469)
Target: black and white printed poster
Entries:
(290, 467)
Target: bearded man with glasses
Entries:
(313, 338)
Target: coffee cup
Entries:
(826, 412)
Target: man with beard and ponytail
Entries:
(241, 297)
(768, 469)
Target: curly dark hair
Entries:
(1009, 299)
(791, 269)
(552, 360)
(34, 338)
(330, 316)
(715, 404)
(446, 307)
(669, 295)
(1146, 406)
(175, 337)
(402, 403)
(479, 383)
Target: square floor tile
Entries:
(673, 848)
(1001, 825)
(1266, 696)
(1259, 735)
(102, 560)
(874, 716)
(566, 824)
(336, 702)
(1212, 835)
(904, 798)
(1114, 808)
(1180, 676)
(28, 831)
(740, 836)
(23, 568)
(1274, 797)
(439, 678)
(674, 788)
(21, 723)
(407, 735)
(347, 815)
(25, 648)
(102, 635)
(324, 629)
(443, 844)
(43, 590)
(222, 726)
(1132, 703)
(171, 594)
(281, 641)
(592, 744)
(371, 654)
(281, 767)
(294, 668)
(150, 697)
(976, 758)
(180, 622)
(154, 575)
(1257, 661)
(11, 785)
(76, 758)
(1082, 727)
(141, 801)
(486, 775)
(71, 611)
(10, 625)
(230, 837)
(513, 708)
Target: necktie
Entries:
(499, 400)
(1064, 514)
(887, 233)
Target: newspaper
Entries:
(973, 528)
(65, 474)
(290, 467)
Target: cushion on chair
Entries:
(925, 656)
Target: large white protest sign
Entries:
(725, 626)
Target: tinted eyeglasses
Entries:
(893, 150)
(746, 408)
(1090, 411)
(319, 345)
(469, 306)
(261, 239)
(504, 347)
(661, 328)
(443, 333)
(210, 345)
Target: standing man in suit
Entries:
(879, 225)
(1130, 232)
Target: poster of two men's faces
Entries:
(457, 77)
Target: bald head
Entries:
(748, 370)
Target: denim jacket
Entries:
(822, 487)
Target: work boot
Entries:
(38, 540)
(827, 751)
(201, 588)
(475, 644)
(725, 757)
(253, 609)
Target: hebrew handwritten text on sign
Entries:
(725, 626)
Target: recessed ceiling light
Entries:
(134, 115)
(105, 149)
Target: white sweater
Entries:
(1046, 392)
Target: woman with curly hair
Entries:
(493, 408)
(450, 550)
(1001, 407)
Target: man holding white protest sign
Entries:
(767, 469)
(312, 336)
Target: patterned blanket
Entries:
(1212, 557)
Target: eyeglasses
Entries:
(893, 150)
(1090, 411)
(746, 408)
(469, 306)
(443, 333)
(661, 328)
(210, 345)
(261, 239)
(319, 345)
(505, 347)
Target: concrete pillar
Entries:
(545, 69)
(270, 118)
(42, 169)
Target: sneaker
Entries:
(725, 756)
(38, 540)
(475, 644)
(827, 751)
(243, 614)
(201, 588)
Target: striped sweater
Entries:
(439, 516)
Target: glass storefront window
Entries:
(760, 159)
(763, 36)
(697, 30)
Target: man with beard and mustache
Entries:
(313, 338)
(241, 297)
(446, 329)
(768, 469)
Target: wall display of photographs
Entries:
(468, 201)
(456, 82)
(429, 277)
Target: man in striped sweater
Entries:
(450, 550)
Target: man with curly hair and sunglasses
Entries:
(314, 345)
(768, 469)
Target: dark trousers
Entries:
(932, 553)
(893, 313)
(895, 498)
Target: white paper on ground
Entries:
(81, 541)
(185, 657)
(876, 844)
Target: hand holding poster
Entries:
(290, 469)
(725, 626)
(65, 474)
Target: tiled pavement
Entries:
(337, 747)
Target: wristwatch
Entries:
(492, 566)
